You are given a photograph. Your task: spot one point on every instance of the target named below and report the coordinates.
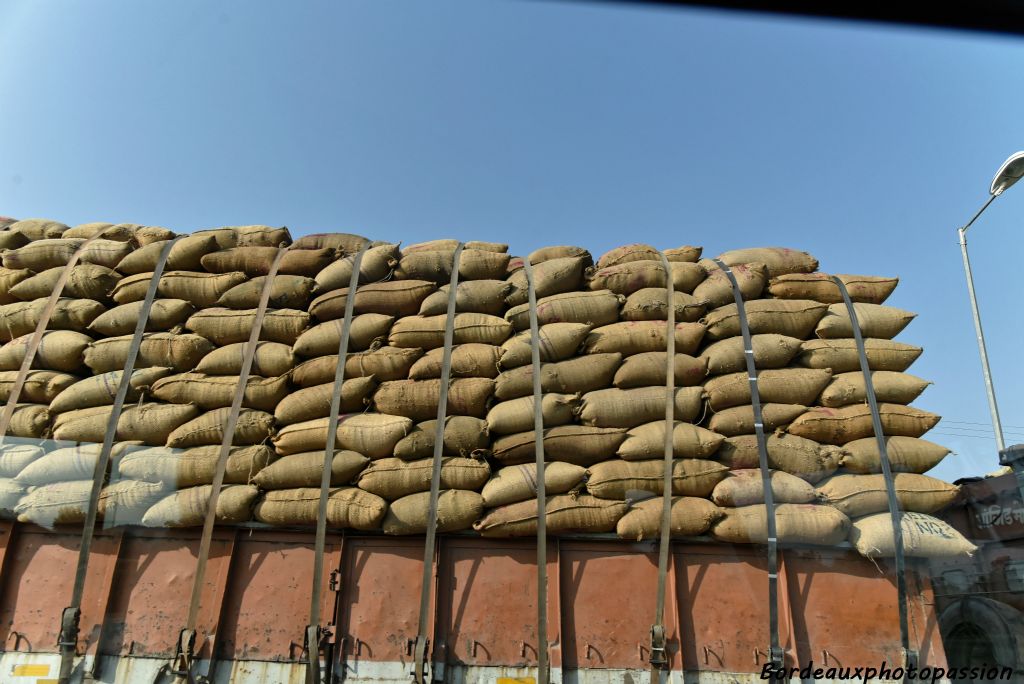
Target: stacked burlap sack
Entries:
(603, 342)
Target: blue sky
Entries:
(546, 123)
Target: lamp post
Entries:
(1008, 174)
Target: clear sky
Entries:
(537, 123)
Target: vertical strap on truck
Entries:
(909, 654)
(422, 642)
(776, 656)
(659, 657)
(543, 668)
(68, 640)
(37, 338)
(315, 633)
(183, 660)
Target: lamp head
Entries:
(1008, 174)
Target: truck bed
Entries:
(837, 609)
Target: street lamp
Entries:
(1009, 173)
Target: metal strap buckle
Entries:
(181, 666)
(69, 623)
(659, 656)
(420, 670)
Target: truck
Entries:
(838, 611)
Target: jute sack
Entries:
(821, 288)
(449, 245)
(306, 469)
(100, 390)
(550, 277)
(120, 503)
(165, 314)
(40, 255)
(69, 463)
(839, 426)
(472, 360)
(9, 240)
(187, 507)
(373, 435)
(516, 415)
(456, 510)
(648, 368)
(270, 360)
(860, 495)
(40, 386)
(923, 537)
(906, 455)
(519, 482)
(688, 441)
(890, 387)
(739, 420)
(168, 350)
(628, 253)
(779, 260)
(37, 228)
(286, 292)
(228, 326)
(253, 427)
(315, 402)
(346, 243)
(616, 479)
(471, 296)
(87, 230)
(385, 363)
(14, 457)
(794, 524)
(637, 337)
(367, 330)
(10, 494)
(780, 386)
(716, 290)
(770, 351)
(592, 308)
(418, 399)
(393, 478)
(256, 261)
(745, 487)
(436, 265)
(876, 320)
(577, 444)
(651, 304)
(427, 332)
(557, 342)
(627, 278)
(539, 256)
(149, 423)
(790, 317)
(9, 277)
(631, 408)
(690, 517)
(247, 236)
(347, 507)
(29, 420)
(463, 436)
(86, 281)
(105, 253)
(21, 318)
(180, 468)
(578, 375)
(199, 289)
(60, 350)
(218, 391)
(185, 255)
(562, 514)
(841, 355)
(376, 265)
(147, 235)
(791, 454)
(392, 297)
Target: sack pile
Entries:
(603, 353)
